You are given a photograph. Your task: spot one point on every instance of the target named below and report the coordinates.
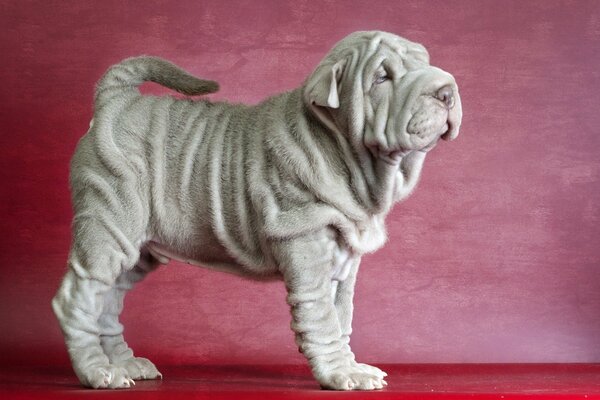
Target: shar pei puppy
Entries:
(295, 188)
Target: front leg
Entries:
(343, 297)
(306, 265)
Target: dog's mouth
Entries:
(432, 119)
(447, 131)
(427, 139)
(424, 143)
(393, 157)
(422, 133)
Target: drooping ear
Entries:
(323, 86)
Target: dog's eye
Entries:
(381, 78)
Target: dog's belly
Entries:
(200, 182)
(342, 260)
(223, 262)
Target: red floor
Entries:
(440, 381)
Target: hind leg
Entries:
(99, 254)
(111, 330)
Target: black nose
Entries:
(446, 95)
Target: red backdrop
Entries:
(495, 258)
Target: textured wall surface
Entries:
(495, 258)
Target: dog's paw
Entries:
(369, 369)
(109, 376)
(140, 368)
(350, 378)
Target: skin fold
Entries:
(295, 188)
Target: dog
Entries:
(295, 188)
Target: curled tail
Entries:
(132, 72)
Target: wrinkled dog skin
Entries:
(295, 188)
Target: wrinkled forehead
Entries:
(372, 42)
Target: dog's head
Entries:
(379, 90)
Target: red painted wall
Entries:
(495, 258)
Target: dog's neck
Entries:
(346, 176)
(375, 184)
(322, 169)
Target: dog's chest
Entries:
(346, 254)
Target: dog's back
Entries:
(178, 170)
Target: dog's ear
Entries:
(323, 86)
(419, 52)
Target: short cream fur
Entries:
(295, 188)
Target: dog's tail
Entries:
(132, 72)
